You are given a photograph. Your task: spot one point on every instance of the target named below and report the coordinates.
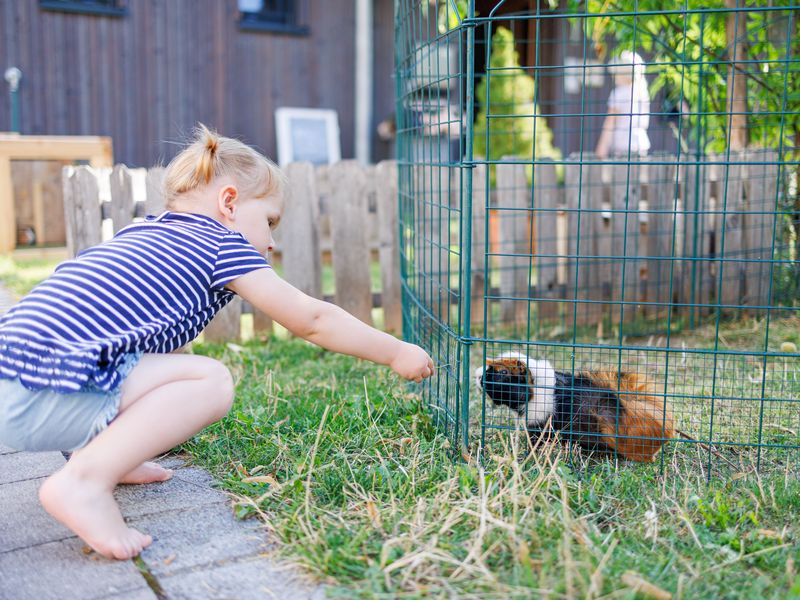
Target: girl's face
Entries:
(256, 219)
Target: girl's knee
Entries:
(221, 388)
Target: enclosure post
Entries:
(466, 218)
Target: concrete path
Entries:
(200, 551)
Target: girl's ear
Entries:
(227, 200)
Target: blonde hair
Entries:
(629, 65)
(210, 155)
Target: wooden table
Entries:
(95, 149)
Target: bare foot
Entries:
(89, 509)
(147, 472)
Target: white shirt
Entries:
(631, 103)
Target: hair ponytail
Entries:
(204, 171)
(210, 155)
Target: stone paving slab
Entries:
(199, 551)
(188, 489)
(140, 594)
(19, 466)
(249, 579)
(199, 538)
(60, 571)
(23, 521)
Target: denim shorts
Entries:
(38, 420)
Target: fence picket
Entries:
(82, 210)
(122, 202)
(660, 235)
(350, 254)
(547, 210)
(760, 195)
(226, 325)
(729, 233)
(299, 234)
(662, 222)
(623, 285)
(155, 202)
(385, 177)
(479, 242)
(513, 214)
(584, 198)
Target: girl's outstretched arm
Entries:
(329, 326)
(604, 143)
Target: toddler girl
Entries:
(85, 363)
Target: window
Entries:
(282, 16)
(110, 8)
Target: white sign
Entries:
(307, 134)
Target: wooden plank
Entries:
(154, 203)
(37, 202)
(604, 223)
(696, 212)
(262, 324)
(38, 199)
(226, 325)
(729, 234)
(53, 196)
(389, 244)
(432, 240)
(514, 260)
(81, 208)
(96, 149)
(323, 185)
(23, 178)
(661, 234)
(624, 242)
(584, 196)
(299, 234)
(8, 227)
(480, 201)
(122, 202)
(547, 205)
(760, 196)
(351, 257)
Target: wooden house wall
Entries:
(146, 78)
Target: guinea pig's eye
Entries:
(503, 371)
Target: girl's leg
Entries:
(166, 399)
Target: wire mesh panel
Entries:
(599, 219)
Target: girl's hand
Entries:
(412, 362)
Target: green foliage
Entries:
(21, 274)
(512, 118)
(451, 13)
(691, 53)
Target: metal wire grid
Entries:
(598, 264)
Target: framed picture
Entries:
(307, 134)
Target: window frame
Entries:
(255, 23)
(78, 7)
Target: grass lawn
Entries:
(341, 460)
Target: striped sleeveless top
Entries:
(152, 288)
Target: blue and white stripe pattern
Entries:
(152, 288)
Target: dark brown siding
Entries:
(146, 78)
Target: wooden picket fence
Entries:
(599, 243)
(619, 242)
(344, 213)
(594, 242)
